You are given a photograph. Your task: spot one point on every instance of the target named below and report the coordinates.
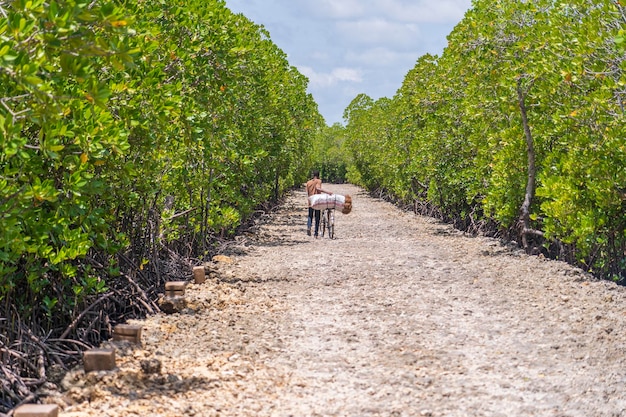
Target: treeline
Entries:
(134, 135)
(517, 128)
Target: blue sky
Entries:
(348, 47)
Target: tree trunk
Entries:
(276, 186)
(206, 214)
(532, 170)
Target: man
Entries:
(314, 186)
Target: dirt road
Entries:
(398, 316)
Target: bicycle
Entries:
(328, 222)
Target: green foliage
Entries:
(53, 116)
(453, 134)
(129, 126)
(330, 155)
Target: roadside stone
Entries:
(151, 366)
(171, 305)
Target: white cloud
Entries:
(320, 55)
(380, 57)
(344, 9)
(378, 31)
(421, 11)
(325, 80)
(330, 9)
(424, 11)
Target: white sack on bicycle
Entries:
(336, 201)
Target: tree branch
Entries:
(81, 315)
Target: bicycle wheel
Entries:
(331, 224)
(323, 225)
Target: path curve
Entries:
(400, 315)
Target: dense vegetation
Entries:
(518, 127)
(330, 154)
(133, 135)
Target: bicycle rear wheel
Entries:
(331, 224)
(323, 225)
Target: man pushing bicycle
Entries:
(314, 186)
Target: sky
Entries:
(349, 47)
